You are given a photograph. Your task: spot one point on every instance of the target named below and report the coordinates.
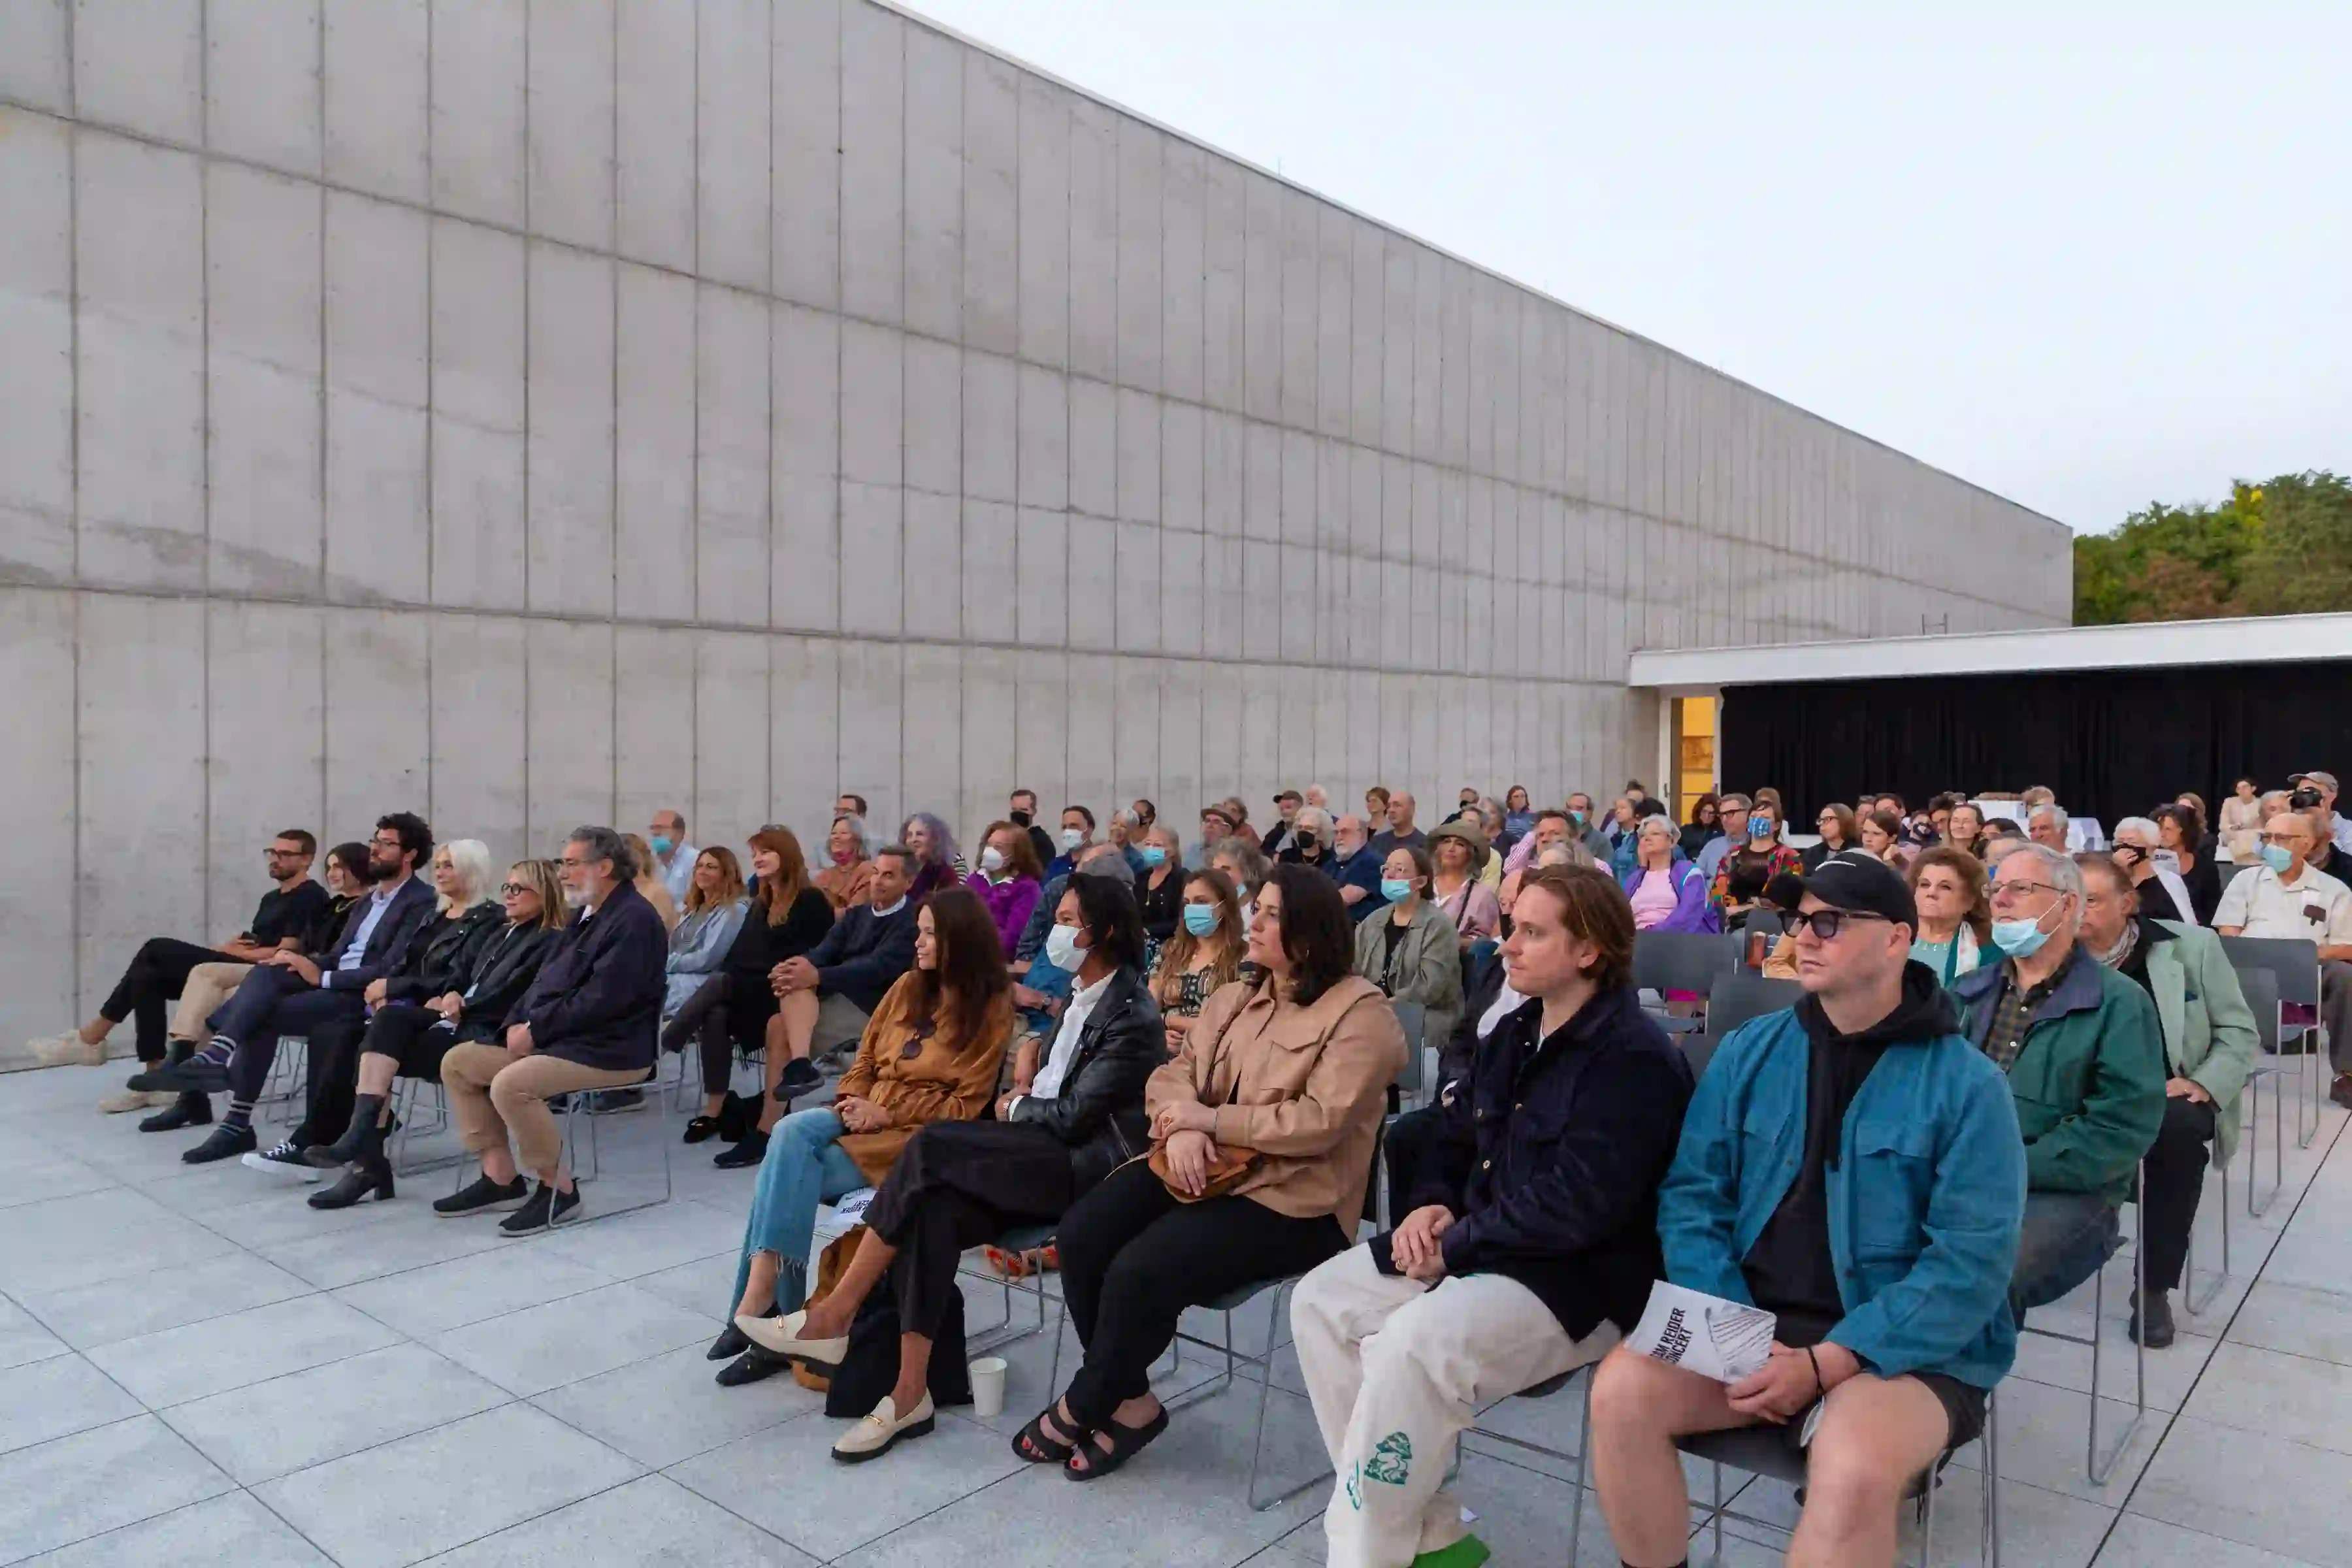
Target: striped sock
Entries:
(218, 1051)
(240, 1114)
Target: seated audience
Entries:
(2000, 840)
(1160, 886)
(1529, 1237)
(826, 996)
(959, 1184)
(1839, 831)
(1281, 841)
(1518, 811)
(1400, 829)
(1241, 860)
(1590, 827)
(2084, 1058)
(1500, 841)
(938, 862)
(1262, 1129)
(712, 918)
(1667, 892)
(2242, 823)
(1964, 829)
(650, 882)
(408, 1037)
(1216, 827)
(785, 918)
(1733, 814)
(2181, 829)
(2333, 829)
(2210, 1042)
(2163, 896)
(1410, 951)
(1704, 827)
(1077, 837)
(1884, 838)
(440, 954)
(1458, 858)
(1310, 838)
(1007, 883)
(1551, 827)
(1022, 808)
(847, 804)
(1207, 953)
(1124, 833)
(1884, 1255)
(2285, 897)
(1740, 876)
(674, 859)
(848, 875)
(159, 972)
(289, 994)
(590, 1020)
(1353, 868)
(1954, 897)
(931, 1053)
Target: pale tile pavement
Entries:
(195, 1368)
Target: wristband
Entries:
(1816, 1360)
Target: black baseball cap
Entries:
(1862, 884)
(1287, 795)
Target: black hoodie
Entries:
(1790, 1270)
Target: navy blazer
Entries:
(597, 1000)
(411, 910)
(1551, 1157)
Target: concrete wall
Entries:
(538, 411)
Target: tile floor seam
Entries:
(519, 1523)
(2172, 1418)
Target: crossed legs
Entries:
(1875, 1435)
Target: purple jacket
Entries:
(1009, 904)
(1693, 911)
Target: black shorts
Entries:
(1963, 1403)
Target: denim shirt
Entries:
(1924, 1203)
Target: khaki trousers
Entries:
(209, 985)
(495, 1096)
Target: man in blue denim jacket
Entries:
(1853, 1165)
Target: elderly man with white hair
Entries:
(2285, 896)
(2163, 896)
(2046, 825)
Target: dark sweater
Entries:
(865, 953)
(597, 1000)
(758, 947)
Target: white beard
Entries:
(575, 898)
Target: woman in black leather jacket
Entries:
(959, 1183)
(466, 1000)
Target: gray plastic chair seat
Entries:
(1740, 996)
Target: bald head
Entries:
(2291, 831)
(1400, 813)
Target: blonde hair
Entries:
(540, 875)
(470, 858)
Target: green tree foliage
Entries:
(2279, 547)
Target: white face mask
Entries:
(992, 859)
(1072, 838)
(1062, 950)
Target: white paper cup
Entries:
(988, 1386)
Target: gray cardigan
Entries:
(1428, 967)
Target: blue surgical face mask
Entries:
(1758, 828)
(662, 843)
(2275, 857)
(1153, 855)
(1199, 919)
(1062, 950)
(1395, 890)
(2019, 938)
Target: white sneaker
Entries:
(69, 1049)
(284, 1162)
(878, 1432)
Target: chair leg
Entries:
(1583, 1447)
(1927, 1516)
(1988, 1542)
(1718, 1467)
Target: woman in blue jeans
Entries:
(931, 1053)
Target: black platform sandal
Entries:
(1033, 1446)
(1126, 1442)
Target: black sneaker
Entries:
(800, 1077)
(226, 1143)
(284, 1162)
(546, 1208)
(193, 1111)
(607, 1102)
(744, 1155)
(191, 1076)
(2152, 1326)
(482, 1196)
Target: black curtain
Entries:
(2112, 743)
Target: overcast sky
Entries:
(2087, 255)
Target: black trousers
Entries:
(405, 1032)
(2176, 1179)
(153, 979)
(274, 1000)
(955, 1186)
(1133, 1257)
(704, 1021)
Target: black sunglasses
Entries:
(1826, 923)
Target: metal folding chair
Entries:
(1019, 1240)
(2097, 1469)
(1739, 996)
(1764, 1451)
(2293, 963)
(1667, 961)
(572, 1111)
(2261, 997)
(1544, 1390)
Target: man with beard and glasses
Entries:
(288, 993)
(1853, 1165)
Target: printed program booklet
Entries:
(1725, 1340)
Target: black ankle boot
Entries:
(360, 1139)
(371, 1174)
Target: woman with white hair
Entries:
(938, 862)
(2163, 896)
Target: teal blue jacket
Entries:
(1924, 1205)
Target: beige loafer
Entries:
(874, 1437)
(123, 1099)
(69, 1049)
(782, 1337)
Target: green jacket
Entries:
(2088, 1081)
(2209, 1031)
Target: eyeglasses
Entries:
(1826, 923)
(515, 889)
(2284, 840)
(2009, 892)
(281, 854)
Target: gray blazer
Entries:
(1428, 968)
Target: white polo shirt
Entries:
(2314, 908)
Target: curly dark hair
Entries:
(416, 834)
